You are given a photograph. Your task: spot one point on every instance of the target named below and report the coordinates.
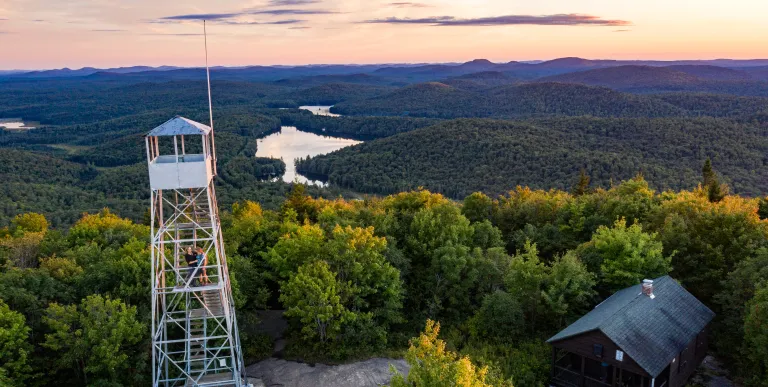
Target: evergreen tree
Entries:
(762, 208)
(715, 191)
(582, 186)
(708, 174)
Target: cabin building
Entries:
(652, 334)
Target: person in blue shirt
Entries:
(202, 261)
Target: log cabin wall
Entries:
(582, 345)
(686, 362)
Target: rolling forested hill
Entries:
(714, 73)
(332, 93)
(481, 80)
(625, 77)
(523, 100)
(649, 79)
(462, 156)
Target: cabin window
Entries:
(597, 350)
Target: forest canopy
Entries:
(360, 278)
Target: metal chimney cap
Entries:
(647, 281)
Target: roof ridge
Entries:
(628, 304)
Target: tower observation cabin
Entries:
(195, 340)
(191, 165)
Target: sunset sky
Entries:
(37, 34)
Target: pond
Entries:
(15, 124)
(320, 110)
(290, 143)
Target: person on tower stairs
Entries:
(192, 263)
(202, 261)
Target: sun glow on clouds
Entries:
(80, 33)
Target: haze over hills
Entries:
(413, 72)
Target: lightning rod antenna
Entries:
(210, 103)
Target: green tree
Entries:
(312, 296)
(525, 280)
(625, 255)
(569, 289)
(304, 245)
(29, 291)
(739, 287)
(477, 207)
(434, 366)
(98, 339)
(756, 338)
(368, 282)
(14, 347)
(120, 273)
(708, 239)
(486, 235)
(443, 270)
(499, 319)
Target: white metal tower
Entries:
(195, 340)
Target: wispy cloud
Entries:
(284, 3)
(251, 23)
(543, 20)
(299, 28)
(164, 34)
(108, 30)
(622, 30)
(201, 16)
(290, 12)
(235, 18)
(406, 4)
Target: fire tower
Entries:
(195, 340)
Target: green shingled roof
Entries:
(650, 331)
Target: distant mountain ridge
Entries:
(417, 72)
(85, 71)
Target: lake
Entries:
(320, 110)
(15, 123)
(290, 143)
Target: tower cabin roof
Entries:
(180, 126)
(652, 331)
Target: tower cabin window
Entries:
(597, 350)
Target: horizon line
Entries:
(380, 63)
